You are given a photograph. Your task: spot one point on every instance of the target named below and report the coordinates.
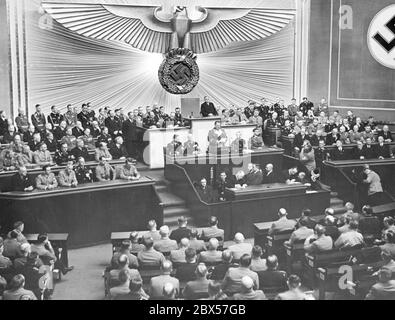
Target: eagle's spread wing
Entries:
(135, 25)
(226, 25)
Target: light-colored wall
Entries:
(4, 60)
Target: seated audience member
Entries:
(294, 292)
(28, 136)
(238, 145)
(254, 176)
(191, 147)
(51, 143)
(290, 175)
(269, 176)
(283, 223)
(196, 244)
(67, 177)
(221, 269)
(46, 180)
(302, 233)
(135, 247)
(248, 292)
(240, 180)
(212, 255)
(178, 256)
(153, 232)
(21, 181)
(165, 244)
(169, 292)
(123, 264)
(78, 130)
(149, 257)
(358, 152)
(20, 263)
(256, 119)
(104, 171)
(19, 226)
(239, 117)
(182, 231)
(129, 171)
(118, 149)
(80, 150)
(387, 257)
(272, 277)
(136, 290)
(368, 223)
(300, 138)
(102, 152)
(84, 174)
(17, 290)
(12, 248)
(318, 242)
(332, 138)
(69, 139)
(330, 227)
(386, 134)
(36, 142)
(240, 248)
(389, 246)
(311, 223)
(339, 153)
(350, 238)
(174, 148)
(205, 192)
(125, 250)
(9, 135)
(344, 223)
(232, 280)
(157, 283)
(197, 289)
(122, 289)
(88, 139)
(62, 156)
(382, 150)
(384, 289)
(215, 291)
(104, 137)
(222, 184)
(256, 141)
(32, 273)
(60, 131)
(257, 263)
(43, 157)
(5, 262)
(368, 150)
(186, 271)
(350, 211)
(212, 231)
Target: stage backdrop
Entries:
(63, 67)
(341, 65)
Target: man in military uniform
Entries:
(104, 172)
(67, 177)
(38, 119)
(305, 106)
(43, 157)
(129, 171)
(46, 180)
(80, 150)
(84, 116)
(238, 145)
(174, 148)
(55, 118)
(69, 139)
(22, 122)
(61, 156)
(293, 109)
(256, 141)
(70, 116)
(83, 173)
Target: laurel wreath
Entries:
(173, 57)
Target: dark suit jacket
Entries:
(298, 141)
(207, 195)
(76, 152)
(77, 132)
(180, 234)
(330, 139)
(357, 153)
(268, 279)
(339, 155)
(254, 179)
(20, 184)
(369, 153)
(269, 179)
(206, 109)
(118, 153)
(129, 131)
(386, 135)
(186, 272)
(382, 151)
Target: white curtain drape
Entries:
(64, 67)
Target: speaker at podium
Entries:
(190, 107)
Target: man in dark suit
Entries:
(339, 153)
(272, 277)
(221, 269)
(129, 130)
(80, 151)
(368, 150)
(270, 175)
(321, 154)
(358, 151)
(208, 108)
(254, 177)
(386, 134)
(222, 184)
(197, 289)
(21, 181)
(205, 192)
(186, 271)
(182, 231)
(305, 106)
(382, 150)
(300, 138)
